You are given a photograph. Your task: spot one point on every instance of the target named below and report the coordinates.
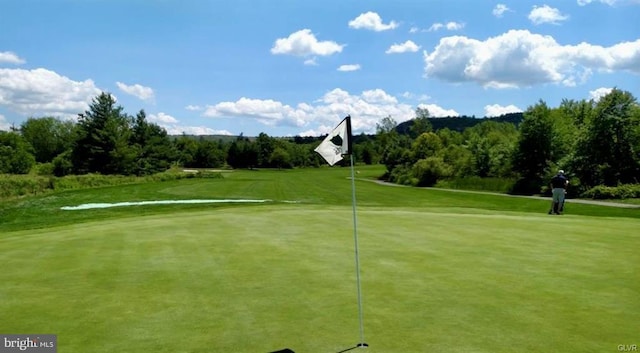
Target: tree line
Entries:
(106, 140)
(596, 142)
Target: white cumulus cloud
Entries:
(173, 126)
(265, 111)
(378, 96)
(162, 118)
(10, 58)
(436, 111)
(494, 110)
(321, 115)
(608, 2)
(192, 107)
(454, 26)
(349, 67)
(371, 21)
(520, 58)
(305, 43)
(500, 9)
(136, 90)
(599, 93)
(44, 92)
(311, 61)
(451, 26)
(4, 125)
(436, 26)
(546, 14)
(193, 130)
(408, 46)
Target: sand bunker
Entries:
(87, 206)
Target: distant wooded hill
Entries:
(457, 123)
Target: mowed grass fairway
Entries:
(441, 271)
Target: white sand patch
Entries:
(207, 170)
(87, 206)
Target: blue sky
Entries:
(294, 67)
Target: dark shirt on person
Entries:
(559, 181)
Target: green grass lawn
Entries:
(441, 271)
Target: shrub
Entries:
(524, 186)
(22, 185)
(429, 170)
(209, 174)
(62, 164)
(401, 174)
(623, 191)
(15, 154)
(44, 169)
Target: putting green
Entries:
(261, 278)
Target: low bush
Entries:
(209, 174)
(624, 191)
(428, 171)
(19, 185)
(23, 185)
(401, 174)
(524, 186)
(44, 169)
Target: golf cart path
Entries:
(583, 201)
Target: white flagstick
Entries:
(355, 237)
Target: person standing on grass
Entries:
(558, 185)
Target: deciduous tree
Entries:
(15, 154)
(608, 153)
(48, 136)
(534, 150)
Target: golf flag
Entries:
(337, 143)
